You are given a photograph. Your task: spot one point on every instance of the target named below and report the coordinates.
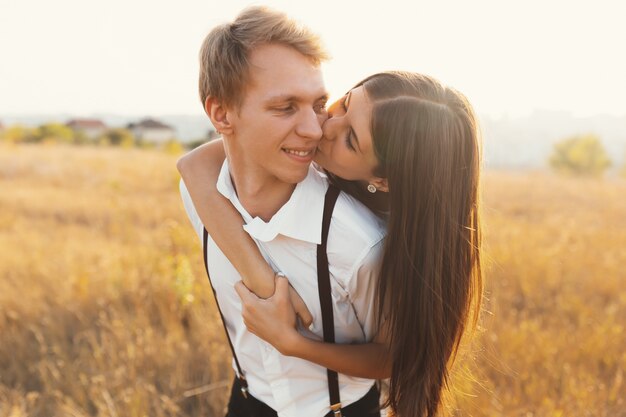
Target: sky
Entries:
(140, 57)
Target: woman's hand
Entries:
(272, 319)
(302, 311)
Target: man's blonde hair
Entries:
(224, 66)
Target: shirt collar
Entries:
(299, 218)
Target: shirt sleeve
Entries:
(192, 214)
(362, 288)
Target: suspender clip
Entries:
(336, 408)
(244, 386)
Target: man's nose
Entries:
(310, 125)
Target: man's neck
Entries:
(261, 196)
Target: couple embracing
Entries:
(342, 242)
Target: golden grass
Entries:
(105, 309)
(554, 342)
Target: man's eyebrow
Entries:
(323, 97)
(281, 98)
(289, 97)
(352, 132)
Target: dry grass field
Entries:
(105, 309)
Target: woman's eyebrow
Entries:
(347, 100)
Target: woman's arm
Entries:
(273, 320)
(365, 360)
(200, 169)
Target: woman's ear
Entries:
(218, 113)
(380, 184)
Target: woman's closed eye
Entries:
(348, 141)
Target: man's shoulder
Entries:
(354, 231)
(351, 214)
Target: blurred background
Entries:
(104, 306)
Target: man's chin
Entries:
(300, 178)
(318, 160)
(295, 177)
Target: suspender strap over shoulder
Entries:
(240, 374)
(323, 284)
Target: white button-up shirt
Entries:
(292, 386)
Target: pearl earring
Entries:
(371, 188)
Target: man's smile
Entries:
(300, 155)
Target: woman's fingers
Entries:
(283, 288)
(300, 307)
(248, 303)
(244, 293)
(263, 316)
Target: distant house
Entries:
(91, 128)
(150, 130)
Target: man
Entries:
(262, 87)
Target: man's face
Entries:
(278, 126)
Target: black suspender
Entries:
(323, 283)
(240, 375)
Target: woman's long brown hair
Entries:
(430, 287)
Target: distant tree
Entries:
(118, 137)
(17, 134)
(580, 155)
(53, 133)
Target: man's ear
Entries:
(219, 115)
(380, 184)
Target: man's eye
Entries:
(285, 109)
(320, 108)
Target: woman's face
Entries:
(346, 148)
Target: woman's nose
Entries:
(329, 128)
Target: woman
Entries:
(415, 162)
